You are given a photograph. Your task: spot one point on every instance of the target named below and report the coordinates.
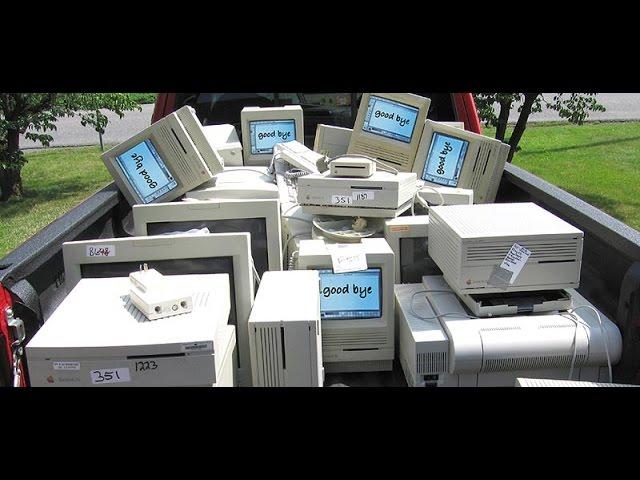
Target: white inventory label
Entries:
(66, 365)
(101, 250)
(347, 257)
(363, 195)
(197, 346)
(110, 375)
(341, 200)
(515, 260)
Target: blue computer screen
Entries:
(146, 172)
(444, 160)
(266, 133)
(390, 119)
(349, 296)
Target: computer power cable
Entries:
(602, 331)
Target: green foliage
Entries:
(38, 112)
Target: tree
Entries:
(575, 109)
(38, 112)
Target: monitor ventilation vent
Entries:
(432, 363)
(541, 251)
(531, 363)
(352, 340)
(181, 165)
(269, 357)
(480, 165)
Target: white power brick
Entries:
(352, 167)
(157, 296)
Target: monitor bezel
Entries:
(213, 210)
(416, 126)
(250, 114)
(267, 120)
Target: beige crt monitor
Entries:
(332, 141)
(452, 157)
(260, 218)
(164, 160)
(174, 255)
(388, 127)
(356, 308)
(262, 128)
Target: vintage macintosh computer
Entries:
(356, 308)
(408, 237)
(504, 247)
(458, 350)
(451, 157)
(237, 183)
(97, 337)
(260, 218)
(164, 160)
(284, 331)
(262, 128)
(388, 127)
(383, 194)
(224, 140)
(177, 254)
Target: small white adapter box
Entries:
(157, 296)
(352, 167)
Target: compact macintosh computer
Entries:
(262, 128)
(284, 331)
(451, 157)
(174, 255)
(97, 337)
(164, 160)
(356, 308)
(260, 218)
(388, 127)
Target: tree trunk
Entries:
(521, 124)
(503, 118)
(10, 178)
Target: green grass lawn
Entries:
(55, 180)
(143, 98)
(597, 162)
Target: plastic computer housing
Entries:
(435, 195)
(423, 346)
(396, 153)
(468, 242)
(516, 303)
(173, 254)
(332, 141)
(495, 351)
(480, 169)
(175, 216)
(298, 156)
(545, 382)
(97, 337)
(180, 143)
(364, 344)
(408, 237)
(224, 140)
(381, 195)
(354, 167)
(284, 331)
(237, 183)
(253, 114)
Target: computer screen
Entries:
(444, 160)
(183, 266)
(257, 227)
(415, 261)
(350, 296)
(146, 171)
(390, 119)
(266, 133)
